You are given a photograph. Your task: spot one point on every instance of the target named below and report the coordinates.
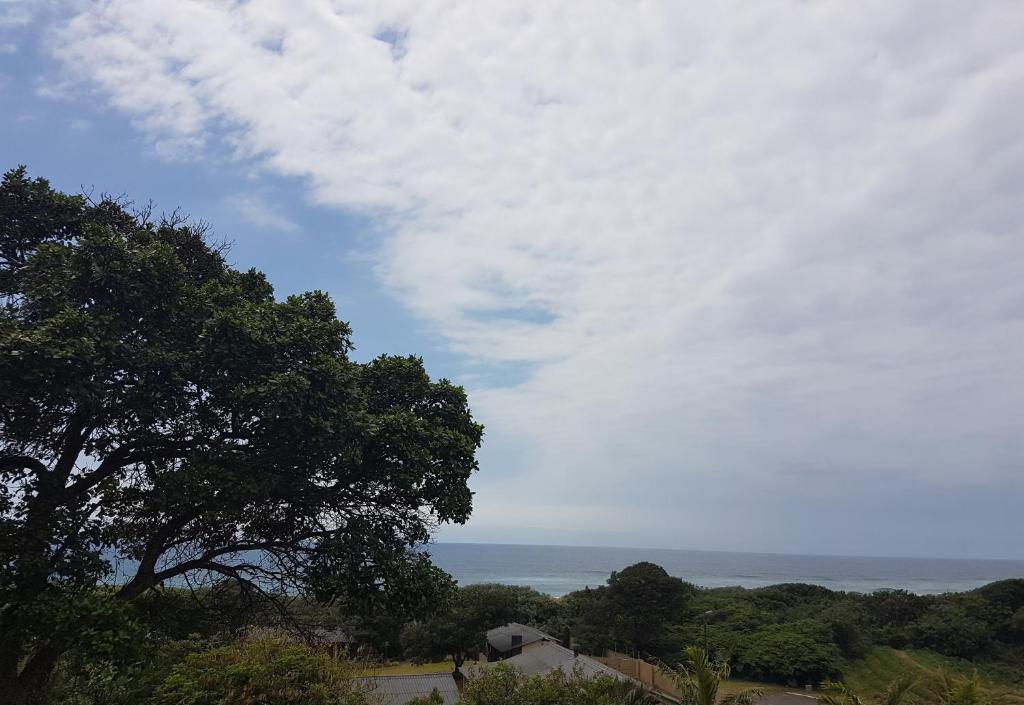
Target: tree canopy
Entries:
(164, 409)
(460, 631)
(642, 600)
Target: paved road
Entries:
(789, 699)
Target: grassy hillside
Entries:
(882, 665)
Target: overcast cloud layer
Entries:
(757, 266)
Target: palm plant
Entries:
(628, 693)
(838, 693)
(898, 692)
(699, 678)
(951, 690)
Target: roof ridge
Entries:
(526, 626)
(410, 675)
(574, 652)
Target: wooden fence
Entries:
(647, 673)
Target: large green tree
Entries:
(161, 407)
(642, 600)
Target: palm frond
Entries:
(838, 693)
(750, 696)
(898, 691)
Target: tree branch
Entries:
(22, 462)
(71, 448)
(121, 457)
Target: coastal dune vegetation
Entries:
(772, 640)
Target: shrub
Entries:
(505, 685)
(951, 629)
(87, 677)
(788, 653)
(433, 699)
(266, 670)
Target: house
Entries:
(542, 657)
(335, 641)
(508, 640)
(399, 690)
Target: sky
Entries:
(729, 276)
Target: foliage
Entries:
(505, 685)
(642, 600)
(162, 406)
(849, 626)
(795, 633)
(963, 690)
(892, 612)
(631, 612)
(587, 621)
(626, 693)
(699, 679)
(898, 692)
(883, 665)
(944, 689)
(788, 653)
(460, 632)
(838, 693)
(85, 678)
(951, 628)
(433, 699)
(264, 670)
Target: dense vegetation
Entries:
(796, 633)
(790, 634)
(259, 670)
(460, 631)
(504, 685)
(787, 634)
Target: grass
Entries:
(732, 686)
(882, 665)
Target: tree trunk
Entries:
(10, 655)
(28, 683)
(32, 684)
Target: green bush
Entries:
(265, 670)
(952, 629)
(433, 699)
(505, 685)
(85, 677)
(788, 653)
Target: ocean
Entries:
(558, 570)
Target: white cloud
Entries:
(256, 210)
(15, 17)
(14, 14)
(757, 252)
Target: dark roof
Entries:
(337, 635)
(398, 690)
(500, 638)
(549, 656)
